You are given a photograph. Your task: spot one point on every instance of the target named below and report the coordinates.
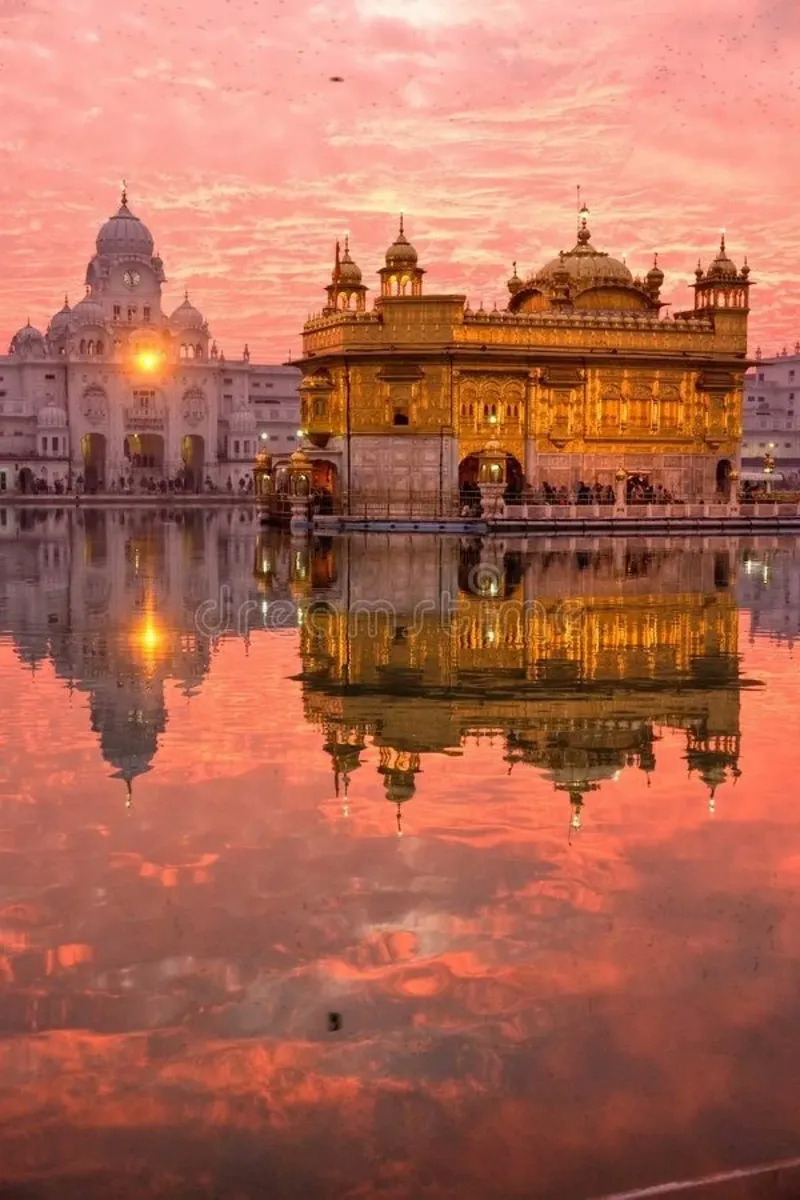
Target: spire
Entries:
(401, 224)
(722, 242)
(337, 264)
(583, 230)
(124, 197)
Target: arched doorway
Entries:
(93, 449)
(324, 484)
(193, 453)
(27, 483)
(144, 453)
(724, 477)
(468, 470)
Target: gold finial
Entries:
(401, 224)
(655, 259)
(124, 194)
(66, 300)
(186, 294)
(722, 242)
(347, 243)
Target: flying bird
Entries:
(336, 79)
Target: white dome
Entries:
(59, 322)
(51, 417)
(87, 312)
(186, 316)
(243, 421)
(125, 234)
(28, 341)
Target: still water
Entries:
(391, 866)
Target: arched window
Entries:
(99, 347)
(198, 351)
(182, 351)
(190, 351)
(486, 412)
(90, 347)
(82, 347)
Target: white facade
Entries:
(116, 395)
(771, 423)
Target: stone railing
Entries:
(139, 420)
(688, 511)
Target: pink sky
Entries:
(477, 120)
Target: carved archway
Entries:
(93, 450)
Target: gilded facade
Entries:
(581, 374)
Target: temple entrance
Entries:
(93, 449)
(145, 452)
(468, 470)
(27, 483)
(724, 477)
(193, 453)
(324, 484)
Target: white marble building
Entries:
(771, 423)
(116, 393)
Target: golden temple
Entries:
(581, 375)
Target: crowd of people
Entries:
(639, 491)
(128, 485)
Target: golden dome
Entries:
(584, 265)
(349, 273)
(401, 253)
(722, 267)
(655, 276)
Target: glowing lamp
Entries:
(147, 360)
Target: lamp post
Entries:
(621, 491)
(733, 496)
(300, 468)
(769, 468)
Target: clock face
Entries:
(131, 278)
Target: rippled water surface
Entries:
(528, 828)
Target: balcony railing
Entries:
(144, 420)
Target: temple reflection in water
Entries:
(110, 597)
(574, 657)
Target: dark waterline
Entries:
(315, 883)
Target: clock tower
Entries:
(125, 276)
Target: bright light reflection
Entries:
(147, 360)
(148, 639)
